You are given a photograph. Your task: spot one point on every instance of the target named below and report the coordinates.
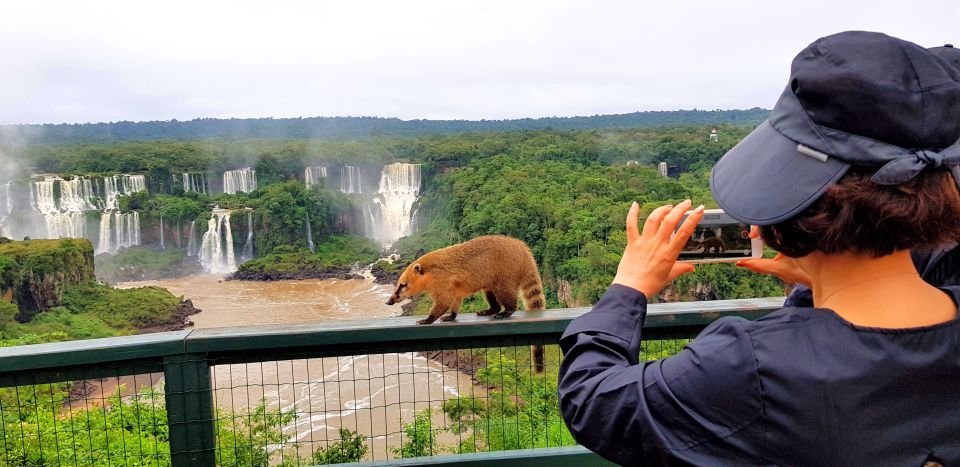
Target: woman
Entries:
(848, 174)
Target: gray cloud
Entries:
(113, 60)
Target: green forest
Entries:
(356, 127)
(565, 193)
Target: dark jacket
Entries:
(801, 386)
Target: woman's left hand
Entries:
(650, 259)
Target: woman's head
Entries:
(857, 215)
(865, 119)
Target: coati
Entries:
(502, 267)
(712, 243)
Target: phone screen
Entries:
(718, 237)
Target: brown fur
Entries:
(714, 243)
(502, 267)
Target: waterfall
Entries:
(216, 250)
(390, 215)
(192, 239)
(194, 182)
(247, 253)
(118, 230)
(350, 179)
(239, 181)
(120, 185)
(63, 216)
(6, 207)
(42, 194)
(310, 245)
(65, 224)
(76, 194)
(6, 202)
(130, 184)
(162, 245)
(312, 175)
(104, 245)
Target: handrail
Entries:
(665, 317)
(187, 358)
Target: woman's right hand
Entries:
(784, 267)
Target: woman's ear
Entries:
(418, 268)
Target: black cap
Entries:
(949, 53)
(854, 98)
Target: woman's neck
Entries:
(878, 292)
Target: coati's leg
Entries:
(509, 302)
(494, 305)
(454, 309)
(439, 308)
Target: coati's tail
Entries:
(533, 300)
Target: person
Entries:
(939, 266)
(849, 173)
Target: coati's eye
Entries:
(402, 286)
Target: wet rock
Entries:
(386, 274)
(329, 273)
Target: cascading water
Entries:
(310, 245)
(192, 239)
(6, 207)
(390, 215)
(247, 253)
(350, 179)
(42, 194)
(162, 245)
(63, 216)
(120, 185)
(65, 224)
(57, 207)
(312, 175)
(216, 250)
(194, 182)
(76, 195)
(239, 181)
(118, 230)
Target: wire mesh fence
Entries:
(488, 395)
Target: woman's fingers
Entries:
(686, 230)
(653, 221)
(633, 217)
(754, 231)
(760, 265)
(671, 220)
(678, 270)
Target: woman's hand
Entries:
(784, 267)
(650, 260)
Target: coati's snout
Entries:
(407, 284)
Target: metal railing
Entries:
(380, 392)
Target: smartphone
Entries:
(719, 238)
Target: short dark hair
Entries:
(859, 216)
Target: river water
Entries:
(371, 394)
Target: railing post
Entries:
(189, 410)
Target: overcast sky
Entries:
(93, 61)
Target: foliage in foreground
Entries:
(38, 429)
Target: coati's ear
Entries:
(418, 268)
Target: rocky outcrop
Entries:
(35, 273)
(180, 319)
(386, 273)
(565, 295)
(329, 273)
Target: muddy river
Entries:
(372, 394)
